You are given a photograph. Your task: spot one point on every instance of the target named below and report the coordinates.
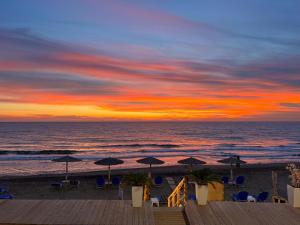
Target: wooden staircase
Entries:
(179, 195)
(173, 214)
(169, 216)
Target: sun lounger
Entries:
(158, 181)
(192, 197)
(239, 181)
(57, 185)
(171, 182)
(240, 197)
(100, 182)
(116, 181)
(3, 190)
(154, 201)
(6, 196)
(75, 183)
(263, 196)
(225, 179)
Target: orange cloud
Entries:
(67, 82)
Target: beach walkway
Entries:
(116, 212)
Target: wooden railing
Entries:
(146, 193)
(179, 195)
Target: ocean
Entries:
(27, 148)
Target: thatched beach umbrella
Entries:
(233, 160)
(67, 159)
(150, 161)
(109, 161)
(191, 161)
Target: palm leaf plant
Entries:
(205, 177)
(136, 179)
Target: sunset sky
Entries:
(206, 60)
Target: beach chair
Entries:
(192, 197)
(75, 183)
(225, 179)
(100, 182)
(155, 201)
(239, 181)
(57, 185)
(116, 181)
(240, 197)
(263, 196)
(3, 190)
(6, 196)
(158, 181)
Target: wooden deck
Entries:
(115, 212)
(101, 212)
(242, 213)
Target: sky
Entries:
(206, 60)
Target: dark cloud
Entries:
(290, 105)
(22, 43)
(280, 72)
(61, 83)
(22, 46)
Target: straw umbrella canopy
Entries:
(150, 161)
(109, 161)
(191, 161)
(67, 159)
(233, 160)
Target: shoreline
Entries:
(165, 170)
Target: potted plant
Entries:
(203, 178)
(137, 181)
(293, 189)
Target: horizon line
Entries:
(159, 121)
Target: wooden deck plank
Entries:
(90, 214)
(220, 214)
(149, 214)
(192, 214)
(280, 214)
(110, 214)
(208, 216)
(254, 212)
(127, 213)
(114, 212)
(101, 205)
(235, 213)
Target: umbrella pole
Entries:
(191, 168)
(231, 173)
(149, 174)
(67, 170)
(108, 174)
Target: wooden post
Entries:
(274, 183)
(146, 193)
(178, 197)
(185, 191)
(173, 201)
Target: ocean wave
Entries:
(226, 145)
(170, 151)
(43, 152)
(140, 146)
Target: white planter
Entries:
(137, 196)
(201, 194)
(293, 196)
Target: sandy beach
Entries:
(258, 179)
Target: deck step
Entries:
(169, 217)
